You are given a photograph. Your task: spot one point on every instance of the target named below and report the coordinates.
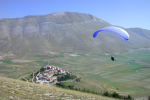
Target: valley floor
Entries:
(129, 75)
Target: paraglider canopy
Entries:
(113, 29)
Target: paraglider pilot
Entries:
(113, 58)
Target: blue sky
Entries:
(125, 13)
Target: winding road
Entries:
(25, 79)
(33, 78)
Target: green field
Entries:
(128, 75)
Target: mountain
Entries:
(64, 32)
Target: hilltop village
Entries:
(50, 75)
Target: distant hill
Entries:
(12, 89)
(142, 32)
(64, 32)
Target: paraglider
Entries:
(116, 30)
(113, 29)
(113, 58)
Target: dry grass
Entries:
(16, 90)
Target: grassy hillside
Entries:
(16, 90)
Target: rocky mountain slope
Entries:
(64, 32)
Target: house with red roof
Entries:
(50, 69)
(57, 68)
(51, 72)
(54, 67)
(37, 81)
(40, 75)
(60, 70)
(55, 72)
(63, 70)
(45, 74)
(67, 72)
(40, 78)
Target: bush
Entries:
(64, 85)
(61, 85)
(78, 79)
(129, 97)
(70, 86)
(66, 77)
(106, 93)
(115, 95)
